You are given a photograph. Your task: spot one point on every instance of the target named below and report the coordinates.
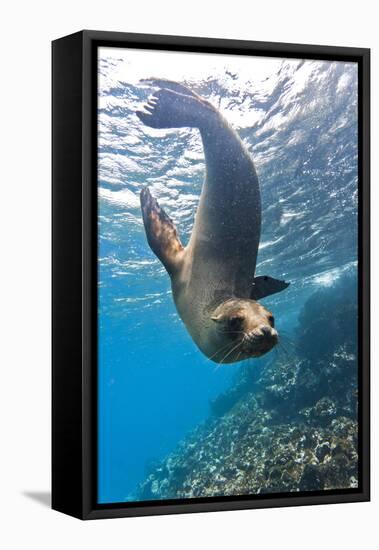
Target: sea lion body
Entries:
(213, 277)
(216, 266)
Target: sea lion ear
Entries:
(161, 233)
(217, 318)
(265, 286)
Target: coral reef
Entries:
(291, 427)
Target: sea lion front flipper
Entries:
(265, 286)
(161, 232)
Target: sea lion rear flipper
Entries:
(265, 286)
(168, 108)
(170, 85)
(161, 232)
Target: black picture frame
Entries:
(74, 272)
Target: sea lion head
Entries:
(245, 327)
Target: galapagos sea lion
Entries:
(213, 283)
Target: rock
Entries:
(291, 425)
(312, 478)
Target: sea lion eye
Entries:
(235, 322)
(271, 320)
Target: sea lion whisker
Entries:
(291, 345)
(227, 354)
(220, 349)
(284, 336)
(284, 351)
(238, 356)
(230, 351)
(285, 333)
(288, 343)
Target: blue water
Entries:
(299, 121)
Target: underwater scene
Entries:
(227, 343)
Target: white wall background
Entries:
(27, 29)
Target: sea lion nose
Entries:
(266, 330)
(269, 332)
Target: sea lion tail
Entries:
(169, 107)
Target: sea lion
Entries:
(212, 278)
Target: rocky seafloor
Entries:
(292, 426)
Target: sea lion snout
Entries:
(266, 331)
(260, 340)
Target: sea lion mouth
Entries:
(253, 344)
(257, 343)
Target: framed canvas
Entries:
(210, 275)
